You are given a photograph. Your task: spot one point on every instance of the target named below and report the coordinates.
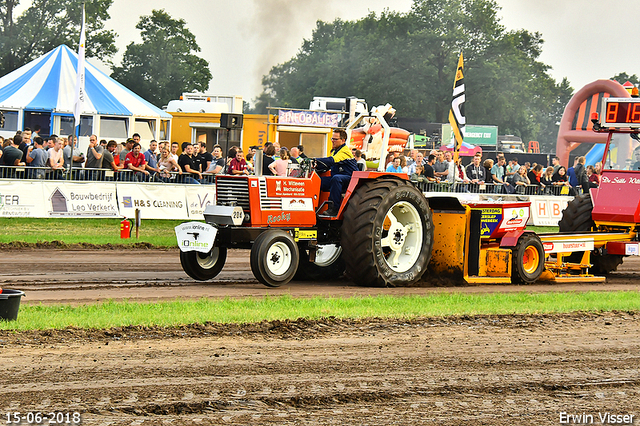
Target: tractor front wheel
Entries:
(274, 258)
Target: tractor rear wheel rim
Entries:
(327, 254)
(402, 241)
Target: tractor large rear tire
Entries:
(577, 218)
(387, 234)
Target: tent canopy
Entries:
(48, 84)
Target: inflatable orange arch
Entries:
(575, 125)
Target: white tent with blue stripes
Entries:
(42, 93)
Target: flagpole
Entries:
(457, 118)
(80, 93)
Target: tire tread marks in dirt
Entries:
(466, 370)
(365, 212)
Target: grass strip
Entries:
(80, 230)
(250, 310)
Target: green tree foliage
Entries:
(163, 66)
(623, 77)
(409, 60)
(261, 104)
(46, 24)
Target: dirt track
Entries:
(87, 276)
(510, 370)
(481, 371)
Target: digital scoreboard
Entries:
(620, 112)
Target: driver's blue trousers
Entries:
(336, 185)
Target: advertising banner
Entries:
(66, 199)
(547, 210)
(514, 218)
(163, 201)
(309, 118)
(183, 202)
(473, 135)
(196, 236)
(198, 198)
(568, 246)
(21, 199)
(490, 219)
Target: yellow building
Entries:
(196, 118)
(311, 129)
(205, 127)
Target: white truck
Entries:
(510, 144)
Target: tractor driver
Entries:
(342, 164)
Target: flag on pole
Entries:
(80, 94)
(456, 114)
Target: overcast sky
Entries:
(585, 40)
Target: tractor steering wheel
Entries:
(319, 166)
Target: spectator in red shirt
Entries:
(238, 165)
(135, 161)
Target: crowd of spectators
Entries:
(24, 156)
(439, 172)
(279, 161)
(434, 170)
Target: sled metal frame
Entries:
(556, 269)
(454, 250)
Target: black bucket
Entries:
(9, 304)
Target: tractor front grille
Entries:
(232, 192)
(266, 202)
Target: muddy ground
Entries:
(483, 370)
(77, 276)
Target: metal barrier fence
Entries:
(492, 188)
(98, 175)
(126, 175)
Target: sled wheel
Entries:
(528, 260)
(203, 266)
(577, 218)
(274, 258)
(387, 234)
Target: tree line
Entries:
(409, 60)
(406, 59)
(160, 68)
